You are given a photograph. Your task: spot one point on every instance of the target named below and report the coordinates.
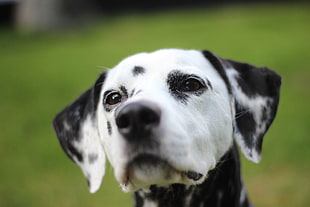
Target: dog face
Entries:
(168, 117)
(160, 114)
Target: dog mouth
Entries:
(147, 169)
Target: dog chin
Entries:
(145, 170)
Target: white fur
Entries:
(90, 144)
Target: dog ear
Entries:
(255, 96)
(77, 131)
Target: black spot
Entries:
(92, 158)
(109, 128)
(209, 84)
(124, 90)
(74, 151)
(132, 92)
(138, 70)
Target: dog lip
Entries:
(144, 160)
(195, 176)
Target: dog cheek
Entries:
(214, 121)
(222, 136)
(204, 147)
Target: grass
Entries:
(41, 73)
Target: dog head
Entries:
(168, 117)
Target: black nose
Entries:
(136, 121)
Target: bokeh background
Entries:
(45, 64)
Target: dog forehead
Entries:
(164, 57)
(159, 64)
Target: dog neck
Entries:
(222, 188)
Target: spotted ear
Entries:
(77, 131)
(255, 95)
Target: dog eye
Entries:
(113, 98)
(191, 85)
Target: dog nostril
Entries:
(148, 116)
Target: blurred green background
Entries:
(40, 73)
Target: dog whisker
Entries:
(240, 114)
(103, 67)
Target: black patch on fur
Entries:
(172, 196)
(74, 152)
(92, 158)
(109, 126)
(209, 84)
(97, 89)
(219, 67)
(124, 90)
(139, 201)
(175, 80)
(138, 70)
(245, 118)
(256, 80)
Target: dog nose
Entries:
(135, 121)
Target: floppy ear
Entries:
(255, 96)
(77, 131)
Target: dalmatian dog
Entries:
(170, 123)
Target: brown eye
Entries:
(113, 98)
(191, 85)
